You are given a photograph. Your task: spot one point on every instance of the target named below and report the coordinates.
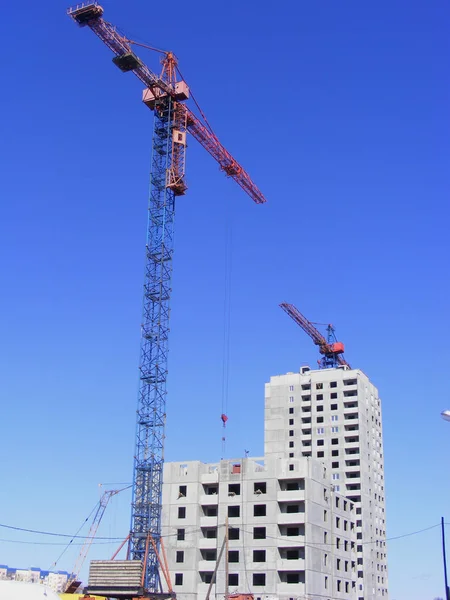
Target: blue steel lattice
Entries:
(151, 411)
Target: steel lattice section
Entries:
(151, 412)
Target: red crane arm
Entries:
(306, 325)
(227, 163)
(314, 334)
(90, 14)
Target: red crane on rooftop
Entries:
(331, 350)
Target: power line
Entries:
(412, 533)
(50, 543)
(284, 538)
(77, 532)
(67, 535)
(358, 542)
(107, 540)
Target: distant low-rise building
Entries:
(54, 580)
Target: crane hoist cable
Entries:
(226, 326)
(75, 536)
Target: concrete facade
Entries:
(334, 416)
(290, 534)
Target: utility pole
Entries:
(213, 578)
(447, 591)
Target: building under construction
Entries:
(305, 521)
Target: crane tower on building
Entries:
(166, 95)
(332, 351)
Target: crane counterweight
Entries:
(86, 12)
(127, 62)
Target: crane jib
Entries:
(90, 14)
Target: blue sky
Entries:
(339, 111)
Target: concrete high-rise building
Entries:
(290, 534)
(305, 521)
(334, 416)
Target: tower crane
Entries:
(332, 351)
(166, 95)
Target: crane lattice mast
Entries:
(165, 96)
(331, 350)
